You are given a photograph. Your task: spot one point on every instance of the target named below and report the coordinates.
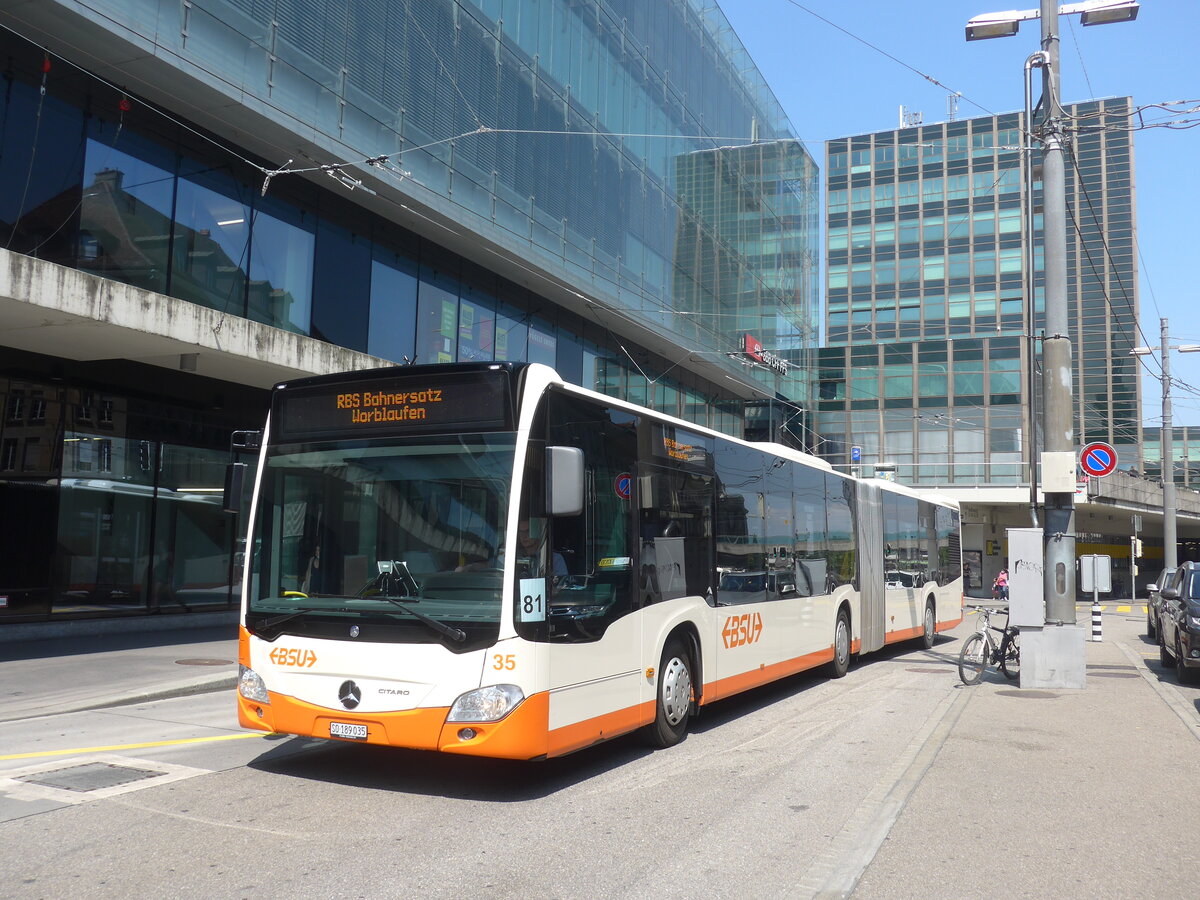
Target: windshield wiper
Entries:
(455, 634)
(276, 621)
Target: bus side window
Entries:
(675, 522)
(741, 524)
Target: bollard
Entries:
(1096, 623)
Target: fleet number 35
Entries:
(504, 661)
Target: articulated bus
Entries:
(483, 559)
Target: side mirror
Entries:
(564, 481)
(235, 477)
(1169, 593)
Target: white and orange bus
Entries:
(483, 559)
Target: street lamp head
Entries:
(1106, 13)
(1090, 12)
(1141, 351)
(985, 30)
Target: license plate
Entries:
(347, 730)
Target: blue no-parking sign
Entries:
(1098, 459)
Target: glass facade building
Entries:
(424, 180)
(1185, 448)
(928, 323)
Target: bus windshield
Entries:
(391, 542)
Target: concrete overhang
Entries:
(1117, 494)
(62, 312)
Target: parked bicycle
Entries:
(981, 649)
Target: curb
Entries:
(121, 625)
(205, 684)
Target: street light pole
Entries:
(1058, 407)
(1167, 443)
(1055, 652)
(1170, 554)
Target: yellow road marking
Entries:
(141, 746)
(1124, 608)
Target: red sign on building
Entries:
(754, 349)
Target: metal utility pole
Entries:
(1170, 557)
(1058, 407)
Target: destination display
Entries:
(457, 401)
(681, 446)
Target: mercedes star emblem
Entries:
(349, 694)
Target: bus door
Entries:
(596, 672)
(871, 572)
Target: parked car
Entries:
(1179, 622)
(1153, 600)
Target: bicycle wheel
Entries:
(1010, 659)
(973, 658)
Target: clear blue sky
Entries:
(832, 84)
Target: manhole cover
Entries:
(89, 777)
(926, 671)
(1029, 695)
(204, 662)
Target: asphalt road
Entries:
(802, 788)
(747, 804)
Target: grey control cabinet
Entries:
(1026, 589)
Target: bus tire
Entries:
(673, 696)
(841, 645)
(930, 626)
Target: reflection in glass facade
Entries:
(926, 364)
(607, 187)
(605, 148)
(120, 509)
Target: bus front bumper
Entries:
(522, 734)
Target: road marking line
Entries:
(141, 746)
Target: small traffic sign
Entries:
(1098, 459)
(623, 485)
(855, 454)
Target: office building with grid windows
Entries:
(925, 364)
(198, 200)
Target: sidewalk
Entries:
(1037, 793)
(68, 674)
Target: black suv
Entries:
(1179, 622)
(1154, 601)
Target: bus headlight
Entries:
(486, 704)
(251, 686)
(1193, 622)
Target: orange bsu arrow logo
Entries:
(292, 656)
(743, 629)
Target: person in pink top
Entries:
(1000, 585)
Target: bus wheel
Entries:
(841, 645)
(930, 631)
(674, 701)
